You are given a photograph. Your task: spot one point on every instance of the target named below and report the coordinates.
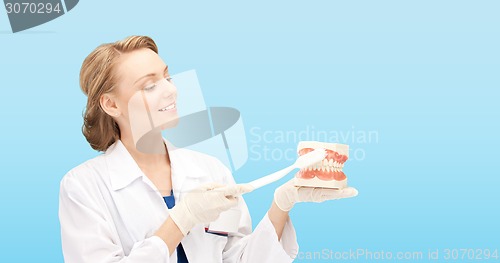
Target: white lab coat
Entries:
(109, 211)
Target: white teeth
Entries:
(171, 106)
(325, 166)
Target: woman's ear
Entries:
(108, 104)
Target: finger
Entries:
(209, 186)
(229, 202)
(230, 205)
(235, 190)
(350, 192)
(231, 190)
(330, 194)
(290, 183)
(245, 188)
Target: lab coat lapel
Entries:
(186, 176)
(140, 205)
(138, 202)
(139, 209)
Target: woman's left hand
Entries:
(287, 195)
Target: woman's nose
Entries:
(168, 88)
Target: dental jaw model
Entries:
(326, 173)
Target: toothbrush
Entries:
(303, 161)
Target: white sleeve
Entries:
(262, 244)
(88, 234)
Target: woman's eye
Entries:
(150, 87)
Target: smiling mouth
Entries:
(168, 108)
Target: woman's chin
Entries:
(170, 124)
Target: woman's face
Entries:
(145, 93)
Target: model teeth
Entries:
(170, 107)
(326, 165)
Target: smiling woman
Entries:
(98, 79)
(147, 106)
(108, 215)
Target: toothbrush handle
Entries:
(271, 177)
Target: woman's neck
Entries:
(149, 151)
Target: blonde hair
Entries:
(98, 77)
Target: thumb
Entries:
(245, 188)
(236, 189)
(330, 194)
(349, 192)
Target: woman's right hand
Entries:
(204, 204)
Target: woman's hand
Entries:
(287, 195)
(205, 204)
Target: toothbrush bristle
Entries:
(311, 158)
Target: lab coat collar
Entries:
(123, 169)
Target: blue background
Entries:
(422, 75)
